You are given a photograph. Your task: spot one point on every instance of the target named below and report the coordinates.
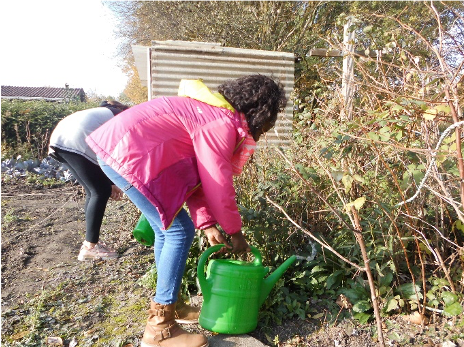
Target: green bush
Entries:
(27, 125)
(341, 169)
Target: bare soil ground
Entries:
(50, 298)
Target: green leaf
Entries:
(368, 28)
(386, 279)
(453, 309)
(444, 148)
(362, 306)
(385, 137)
(334, 279)
(269, 339)
(392, 304)
(420, 103)
(383, 290)
(394, 336)
(450, 138)
(440, 282)
(373, 136)
(430, 114)
(449, 298)
(355, 294)
(459, 226)
(358, 178)
(384, 130)
(362, 317)
(358, 203)
(317, 269)
(337, 175)
(347, 181)
(397, 107)
(443, 108)
(430, 295)
(408, 291)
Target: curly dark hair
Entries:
(115, 104)
(259, 97)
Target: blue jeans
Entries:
(171, 246)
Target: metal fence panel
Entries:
(171, 61)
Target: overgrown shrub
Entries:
(385, 173)
(27, 125)
(400, 246)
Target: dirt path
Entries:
(40, 231)
(43, 283)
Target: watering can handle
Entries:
(201, 262)
(211, 250)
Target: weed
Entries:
(9, 217)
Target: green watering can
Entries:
(234, 290)
(143, 232)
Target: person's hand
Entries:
(239, 244)
(215, 237)
(116, 193)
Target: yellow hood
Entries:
(197, 90)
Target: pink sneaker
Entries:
(99, 251)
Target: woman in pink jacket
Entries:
(186, 149)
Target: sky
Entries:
(48, 43)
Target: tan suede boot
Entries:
(186, 314)
(163, 331)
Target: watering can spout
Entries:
(271, 280)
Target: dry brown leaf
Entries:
(54, 341)
(19, 335)
(344, 302)
(416, 318)
(89, 332)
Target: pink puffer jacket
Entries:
(176, 150)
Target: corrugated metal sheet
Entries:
(171, 61)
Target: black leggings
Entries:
(97, 188)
